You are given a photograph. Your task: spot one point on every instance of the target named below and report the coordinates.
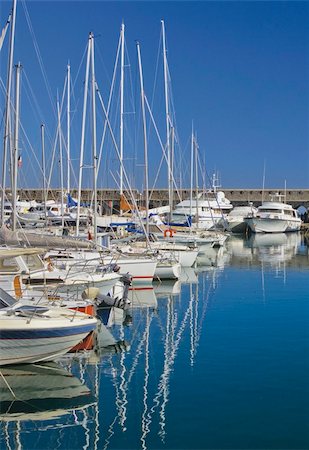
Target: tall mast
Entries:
(171, 174)
(82, 142)
(7, 109)
(167, 117)
(191, 172)
(44, 169)
(16, 144)
(60, 161)
(145, 135)
(121, 109)
(94, 141)
(196, 181)
(68, 127)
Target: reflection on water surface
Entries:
(218, 359)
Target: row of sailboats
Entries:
(75, 261)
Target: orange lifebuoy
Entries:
(169, 232)
(17, 288)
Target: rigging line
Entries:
(173, 109)
(157, 70)
(7, 384)
(109, 105)
(183, 158)
(36, 108)
(102, 59)
(74, 82)
(130, 78)
(121, 162)
(157, 176)
(131, 141)
(63, 140)
(30, 146)
(200, 164)
(59, 136)
(72, 90)
(162, 147)
(40, 60)
(53, 155)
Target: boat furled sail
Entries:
(23, 237)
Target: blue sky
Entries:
(239, 70)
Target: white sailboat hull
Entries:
(168, 271)
(141, 270)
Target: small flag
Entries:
(19, 161)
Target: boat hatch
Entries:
(6, 299)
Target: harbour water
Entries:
(217, 360)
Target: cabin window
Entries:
(33, 262)
(273, 211)
(9, 265)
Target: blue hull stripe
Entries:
(45, 333)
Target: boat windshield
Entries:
(33, 262)
(8, 265)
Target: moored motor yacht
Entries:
(274, 217)
(205, 212)
(235, 220)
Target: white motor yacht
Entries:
(274, 217)
(235, 220)
(204, 212)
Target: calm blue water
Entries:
(219, 360)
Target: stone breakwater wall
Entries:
(109, 199)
